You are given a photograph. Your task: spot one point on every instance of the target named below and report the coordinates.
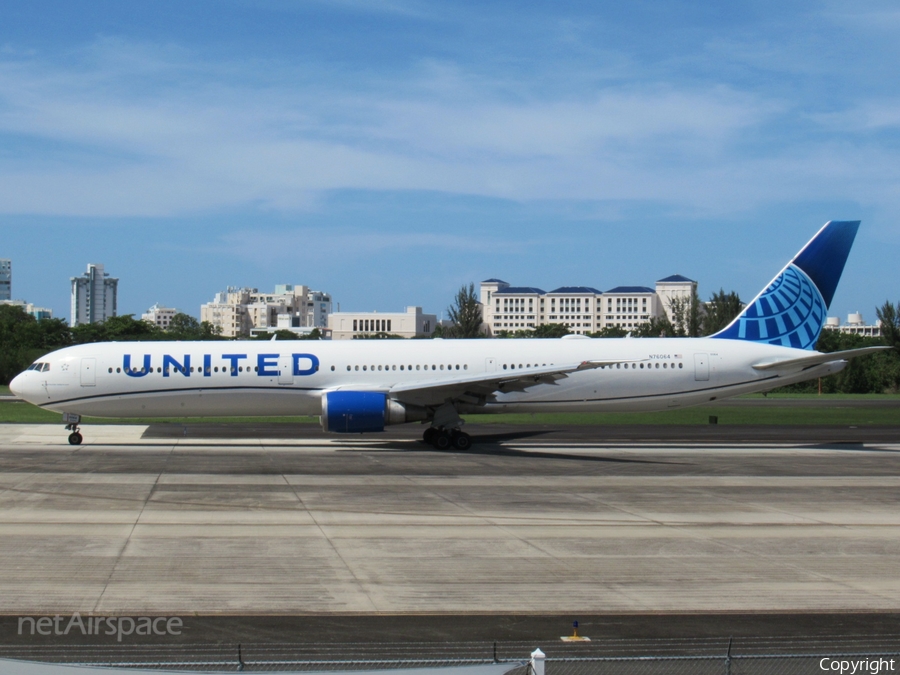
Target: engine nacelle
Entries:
(356, 412)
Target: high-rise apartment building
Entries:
(5, 279)
(93, 296)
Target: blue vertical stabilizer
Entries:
(791, 310)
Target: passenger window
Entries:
(364, 367)
(118, 370)
(110, 370)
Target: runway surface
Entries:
(530, 522)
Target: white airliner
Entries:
(363, 385)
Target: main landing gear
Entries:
(72, 421)
(442, 439)
(445, 429)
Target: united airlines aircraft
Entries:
(363, 386)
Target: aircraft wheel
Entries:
(429, 434)
(75, 438)
(462, 441)
(441, 441)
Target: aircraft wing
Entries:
(817, 359)
(479, 387)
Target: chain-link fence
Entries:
(771, 656)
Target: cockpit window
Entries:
(40, 367)
(45, 368)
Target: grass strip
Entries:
(25, 413)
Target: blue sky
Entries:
(389, 152)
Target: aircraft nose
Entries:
(17, 385)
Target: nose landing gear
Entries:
(72, 421)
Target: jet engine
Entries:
(356, 412)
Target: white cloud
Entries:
(138, 131)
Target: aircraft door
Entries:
(88, 372)
(285, 369)
(490, 365)
(701, 367)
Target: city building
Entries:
(36, 312)
(855, 325)
(582, 309)
(627, 307)
(93, 296)
(674, 288)
(409, 324)
(5, 279)
(242, 312)
(159, 316)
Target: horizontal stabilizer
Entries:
(818, 359)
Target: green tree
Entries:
(550, 330)
(314, 334)
(610, 332)
(686, 315)
(121, 328)
(870, 374)
(721, 310)
(889, 316)
(658, 326)
(209, 331)
(465, 313)
(23, 339)
(184, 327)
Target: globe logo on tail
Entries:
(790, 313)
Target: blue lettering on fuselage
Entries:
(266, 361)
(267, 365)
(184, 369)
(234, 358)
(313, 364)
(135, 372)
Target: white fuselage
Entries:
(254, 378)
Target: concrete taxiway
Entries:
(174, 521)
